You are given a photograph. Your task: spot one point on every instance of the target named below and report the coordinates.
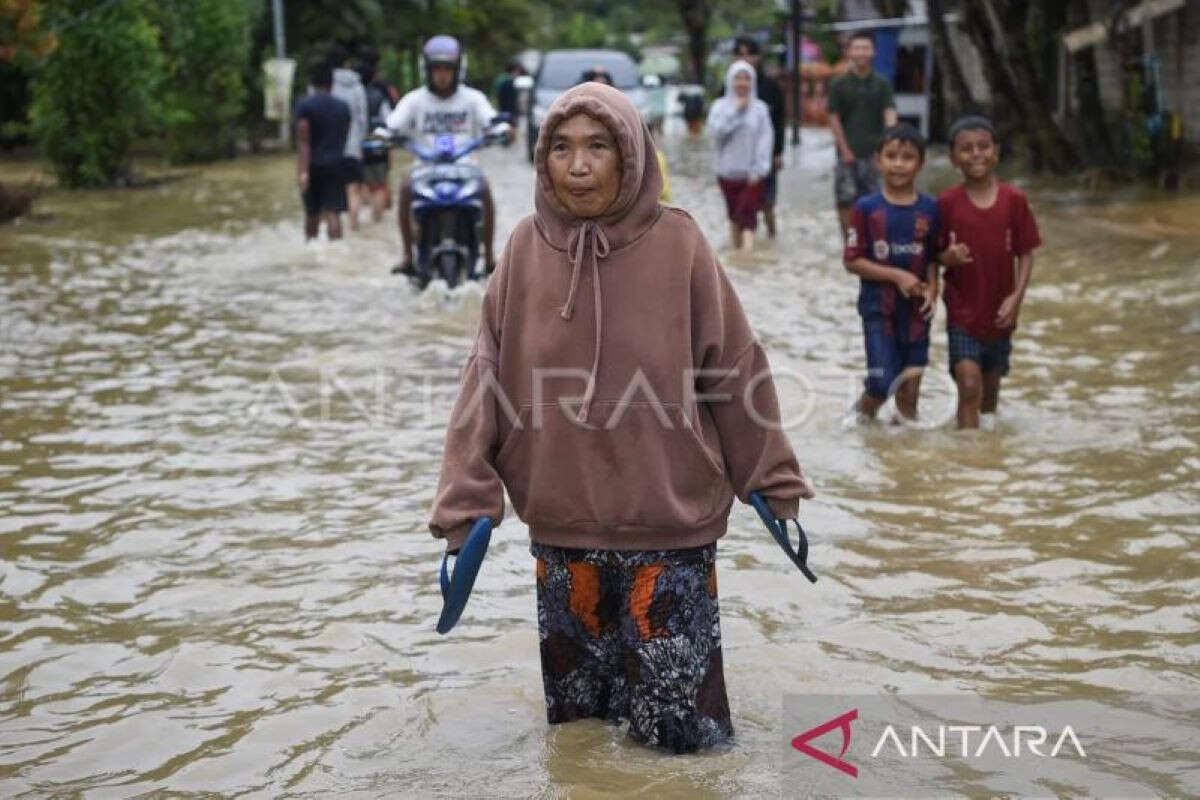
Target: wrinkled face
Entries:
(861, 53)
(975, 153)
(898, 163)
(443, 77)
(741, 84)
(584, 165)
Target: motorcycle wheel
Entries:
(448, 267)
(469, 238)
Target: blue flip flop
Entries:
(456, 588)
(779, 530)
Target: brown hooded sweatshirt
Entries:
(615, 387)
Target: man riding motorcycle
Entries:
(442, 106)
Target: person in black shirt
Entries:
(693, 111)
(506, 90)
(769, 92)
(322, 124)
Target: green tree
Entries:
(22, 33)
(206, 46)
(24, 40)
(95, 93)
(1005, 34)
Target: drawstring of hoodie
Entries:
(576, 245)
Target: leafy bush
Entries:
(96, 91)
(206, 46)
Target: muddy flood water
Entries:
(218, 448)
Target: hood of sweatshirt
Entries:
(734, 69)
(636, 207)
(631, 214)
(346, 78)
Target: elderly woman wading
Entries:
(618, 393)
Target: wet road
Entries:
(218, 447)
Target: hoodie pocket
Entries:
(638, 466)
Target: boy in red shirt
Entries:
(988, 238)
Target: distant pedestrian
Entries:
(376, 155)
(506, 90)
(748, 50)
(693, 110)
(989, 235)
(322, 124)
(861, 105)
(740, 127)
(348, 88)
(377, 113)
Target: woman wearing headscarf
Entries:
(740, 127)
(616, 389)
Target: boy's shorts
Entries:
(854, 180)
(326, 189)
(889, 352)
(991, 356)
(375, 173)
(631, 635)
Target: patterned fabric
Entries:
(990, 356)
(634, 636)
(904, 237)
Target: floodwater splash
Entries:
(202, 598)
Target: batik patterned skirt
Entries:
(634, 636)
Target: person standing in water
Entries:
(767, 89)
(740, 127)
(861, 105)
(989, 234)
(892, 247)
(376, 155)
(620, 434)
(348, 88)
(506, 90)
(322, 122)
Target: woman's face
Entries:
(741, 84)
(584, 165)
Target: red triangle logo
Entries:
(801, 742)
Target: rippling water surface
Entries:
(218, 447)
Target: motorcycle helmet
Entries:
(443, 50)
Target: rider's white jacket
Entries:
(421, 113)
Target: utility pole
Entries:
(797, 57)
(285, 124)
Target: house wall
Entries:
(1176, 38)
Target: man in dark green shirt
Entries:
(861, 105)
